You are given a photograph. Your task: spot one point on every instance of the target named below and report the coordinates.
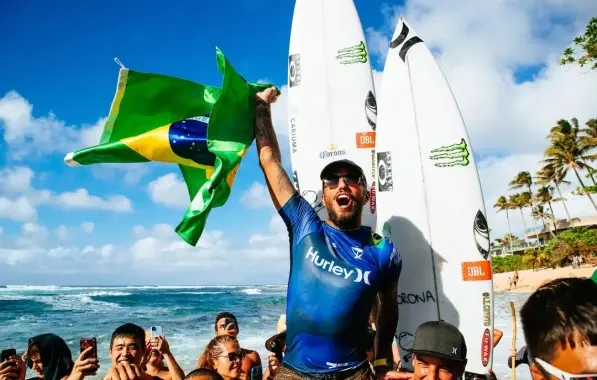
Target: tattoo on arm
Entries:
(265, 136)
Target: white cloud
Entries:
(256, 196)
(87, 227)
(19, 210)
(16, 179)
(61, 232)
(169, 190)
(27, 135)
(81, 199)
(480, 47)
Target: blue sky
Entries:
(58, 60)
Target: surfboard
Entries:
(331, 97)
(430, 202)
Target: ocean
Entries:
(186, 315)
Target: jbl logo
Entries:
(476, 271)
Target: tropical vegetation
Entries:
(587, 48)
(570, 152)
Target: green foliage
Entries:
(509, 264)
(588, 189)
(588, 48)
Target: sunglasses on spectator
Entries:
(233, 356)
(350, 180)
(559, 374)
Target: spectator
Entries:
(159, 351)
(559, 322)
(50, 357)
(439, 352)
(223, 355)
(128, 354)
(276, 345)
(226, 324)
(203, 374)
(13, 369)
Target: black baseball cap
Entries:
(346, 164)
(441, 339)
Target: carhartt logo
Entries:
(338, 270)
(357, 252)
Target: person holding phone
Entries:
(12, 366)
(50, 357)
(158, 352)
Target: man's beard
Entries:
(349, 221)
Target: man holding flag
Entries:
(330, 289)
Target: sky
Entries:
(114, 224)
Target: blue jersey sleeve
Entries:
(391, 266)
(299, 217)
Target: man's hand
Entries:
(161, 345)
(274, 364)
(84, 366)
(9, 370)
(126, 371)
(269, 95)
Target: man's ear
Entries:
(536, 373)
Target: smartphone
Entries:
(156, 331)
(6, 354)
(89, 342)
(257, 373)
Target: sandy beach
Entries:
(530, 280)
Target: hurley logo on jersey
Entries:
(354, 274)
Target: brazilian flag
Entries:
(205, 130)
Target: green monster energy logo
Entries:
(352, 54)
(387, 230)
(452, 155)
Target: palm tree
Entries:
(522, 179)
(566, 153)
(520, 201)
(589, 140)
(548, 174)
(536, 257)
(503, 204)
(545, 195)
(539, 213)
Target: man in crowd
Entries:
(226, 324)
(439, 352)
(337, 268)
(559, 322)
(127, 352)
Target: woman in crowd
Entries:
(50, 357)
(158, 352)
(223, 355)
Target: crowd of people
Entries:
(559, 323)
(341, 306)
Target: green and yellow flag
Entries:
(205, 130)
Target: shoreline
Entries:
(529, 280)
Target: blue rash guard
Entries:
(334, 279)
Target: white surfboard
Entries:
(429, 202)
(331, 98)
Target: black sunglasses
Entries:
(350, 179)
(233, 356)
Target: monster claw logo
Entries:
(352, 54)
(387, 229)
(451, 155)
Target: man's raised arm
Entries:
(270, 160)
